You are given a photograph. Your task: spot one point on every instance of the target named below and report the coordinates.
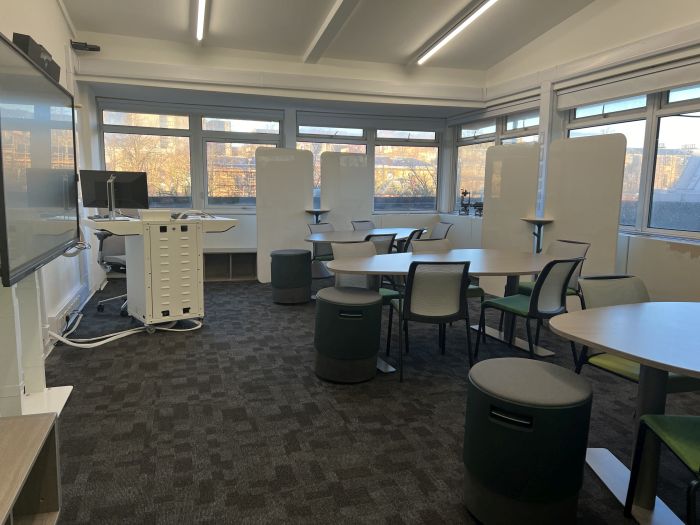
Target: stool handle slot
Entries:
(350, 315)
(508, 418)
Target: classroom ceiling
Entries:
(384, 31)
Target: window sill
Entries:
(406, 212)
(661, 237)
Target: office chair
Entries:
(111, 262)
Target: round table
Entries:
(483, 263)
(358, 235)
(662, 338)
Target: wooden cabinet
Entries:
(30, 486)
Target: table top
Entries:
(317, 210)
(359, 235)
(660, 335)
(484, 262)
(21, 439)
(537, 220)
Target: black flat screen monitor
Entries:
(130, 189)
(38, 183)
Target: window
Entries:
(405, 135)
(145, 120)
(675, 202)
(231, 173)
(529, 119)
(521, 140)
(323, 131)
(634, 132)
(473, 131)
(471, 169)
(319, 147)
(240, 126)
(613, 106)
(166, 160)
(405, 178)
(684, 93)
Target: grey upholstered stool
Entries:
(348, 323)
(525, 441)
(291, 276)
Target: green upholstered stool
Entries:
(348, 324)
(525, 439)
(291, 276)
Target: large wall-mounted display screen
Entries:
(38, 182)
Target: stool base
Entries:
(345, 370)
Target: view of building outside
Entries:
(62, 149)
(15, 157)
(165, 159)
(471, 170)
(405, 178)
(675, 202)
(320, 147)
(231, 173)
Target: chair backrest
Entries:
(548, 296)
(436, 291)
(431, 246)
(611, 290)
(406, 244)
(362, 225)
(440, 230)
(562, 248)
(355, 249)
(321, 249)
(382, 243)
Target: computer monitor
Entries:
(130, 189)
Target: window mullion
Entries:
(648, 161)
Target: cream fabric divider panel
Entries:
(284, 180)
(347, 188)
(510, 192)
(584, 188)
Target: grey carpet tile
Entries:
(229, 424)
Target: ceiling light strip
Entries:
(201, 10)
(455, 31)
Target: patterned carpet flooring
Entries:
(229, 424)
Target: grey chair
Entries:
(431, 246)
(611, 290)
(440, 230)
(322, 251)
(362, 225)
(382, 243)
(404, 245)
(111, 255)
(436, 293)
(355, 249)
(562, 249)
(548, 299)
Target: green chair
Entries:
(611, 290)
(548, 299)
(681, 434)
(562, 248)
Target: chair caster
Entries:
(100, 308)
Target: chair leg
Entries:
(500, 322)
(469, 342)
(537, 332)
(529, 337)
(575, 355)
(405, 331)
(582, 300)
(636, 465)
(512, 331)
(482, 327)
(388, 328)
(690, 516)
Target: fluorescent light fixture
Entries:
(201, 8)
(455, 31)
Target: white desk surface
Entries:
(359, 235)
(135, 226)
(483, 262)
(660, 335)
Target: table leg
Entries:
(651, 399)
(400, 328)
(512, 282)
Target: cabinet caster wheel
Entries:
(124, 313)
(150, 330)
(100, 308)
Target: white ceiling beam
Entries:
(335, 20)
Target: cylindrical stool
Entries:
(348, 323)
(525, 439)
(291, 276)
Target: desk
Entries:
(358, 235)
(483, 262)
(662, 338)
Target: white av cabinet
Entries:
(164, 265)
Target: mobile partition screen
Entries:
(130, 189)
(38, 182)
